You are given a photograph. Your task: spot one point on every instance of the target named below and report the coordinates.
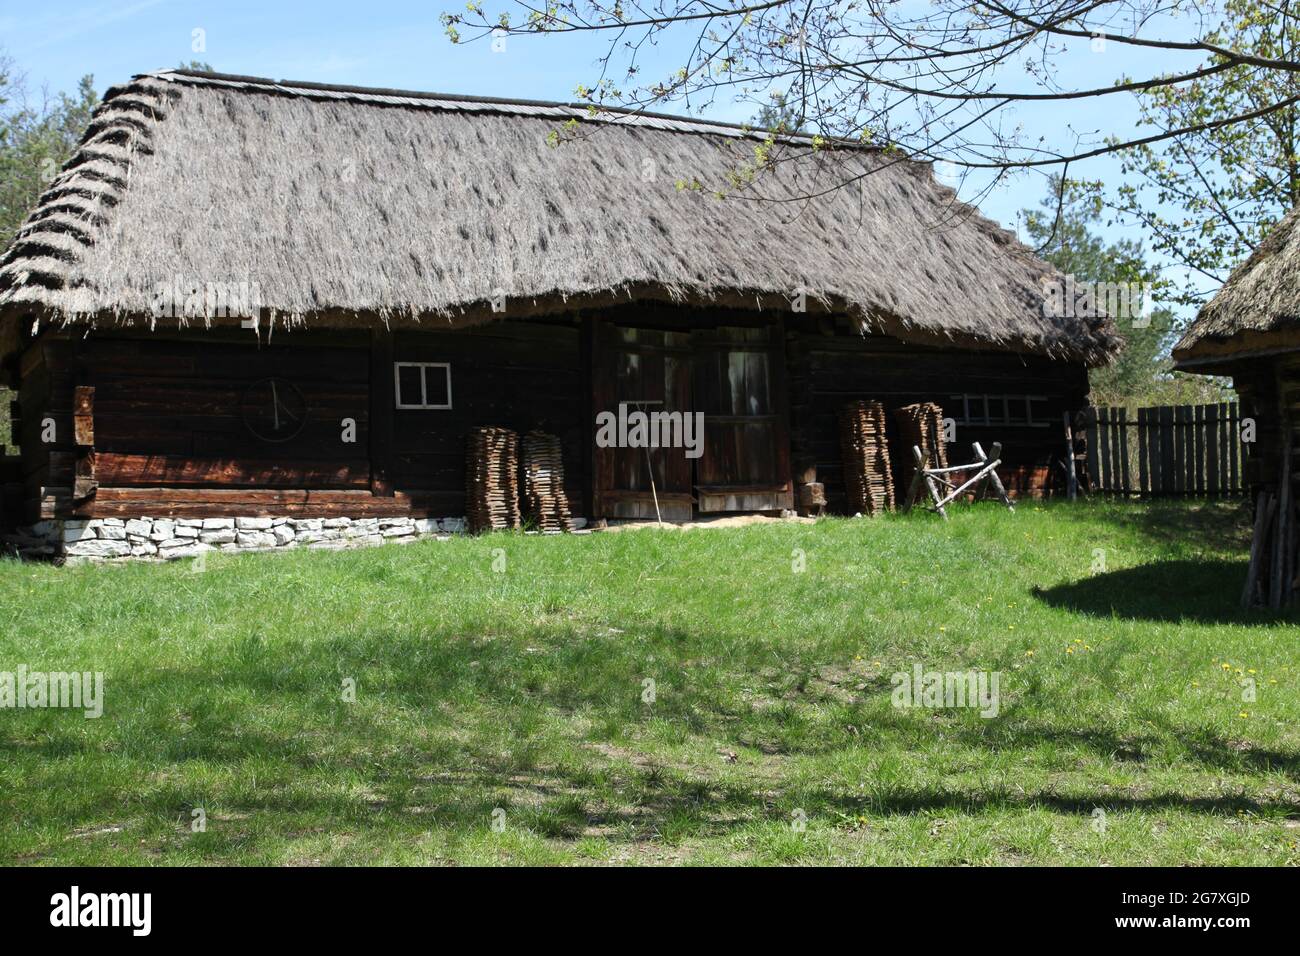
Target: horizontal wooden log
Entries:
(161, 470)
(222, 502)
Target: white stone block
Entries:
(98, 548)
(219, 536)
(252, 524)
(140, 527)
(255, 539)
(217, 524)
(114, 532)
(77, 531)
(283, 534)
(163, 529)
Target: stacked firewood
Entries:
(492, 479)
(868, 478)
(921, 426)
(545, 505)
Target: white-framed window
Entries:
(422, 384)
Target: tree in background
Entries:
(940, 80)
(1141, 375)
(779, 116)
(35, 141)
(1225, 185)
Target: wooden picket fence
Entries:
(1166, 451)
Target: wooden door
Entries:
(646, 369)
(739, 385)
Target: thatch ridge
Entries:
(1257, 311)
(435, 207)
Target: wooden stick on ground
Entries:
(993, 475)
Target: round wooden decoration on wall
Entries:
(273, 409)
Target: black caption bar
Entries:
(331, 905)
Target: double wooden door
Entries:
(735, 377)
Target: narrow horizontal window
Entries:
(992, 410)
(422, 384)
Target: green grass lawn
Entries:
(499, 715)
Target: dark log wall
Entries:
(170, 433)
(42, 417)
(510, 374)
(829, 371)
(171, 419)
(1257, 383)
(174, 412)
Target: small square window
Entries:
(422, 384)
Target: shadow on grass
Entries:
(395, 772)
(1223, 525)
(1205, 591)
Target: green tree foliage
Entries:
(779, 116)
(1141, 375)
(35, 142)
(1224, 187)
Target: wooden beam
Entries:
(233, 502)
(85, 483)
(383, 402)
(83, 416)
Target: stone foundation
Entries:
(167, 539)
(162, 539)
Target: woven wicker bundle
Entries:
(868, 478)
(491, 479)
(544, 502)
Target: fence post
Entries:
(1091, 430)
(1213, 474)
(1144, 477)
(1199, 441)
(1231, 447)
(1167, 483)
(1123, 452)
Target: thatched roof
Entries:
(1257, 312)
(343, 205)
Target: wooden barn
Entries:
(1250, 331)
(256, 301)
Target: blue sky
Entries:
(402, 45)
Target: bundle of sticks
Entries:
(545, 504)
(920, 426)
(492, 479)
(868, 478)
